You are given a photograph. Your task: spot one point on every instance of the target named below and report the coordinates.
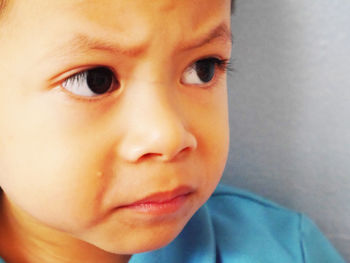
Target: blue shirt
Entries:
(240, 227)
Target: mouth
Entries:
(161, 203)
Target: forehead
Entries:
(134, 18)
(167, 10)
(43, 27)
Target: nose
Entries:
(155, 128)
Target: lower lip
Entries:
(155, 208)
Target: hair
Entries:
(232, 6)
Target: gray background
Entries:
(289, 108)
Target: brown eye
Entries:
(99, 80)
(92, 82)
(201, 72)
(205, 69)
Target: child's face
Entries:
(71, 162)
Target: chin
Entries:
(138, 245)
(139, 233)
(138, 240)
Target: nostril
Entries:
(184, 150)
(166, 143)
(150, 155)
(164, 156)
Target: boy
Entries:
(114, 133)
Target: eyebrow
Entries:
(83, 43)
(219, 32)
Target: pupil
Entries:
(99, 80)
(205, 70)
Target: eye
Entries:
(202, 71)
(90, 83)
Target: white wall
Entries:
(290, 108)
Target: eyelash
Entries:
(224, 65)
(81, 75)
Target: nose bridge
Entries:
(156, 127)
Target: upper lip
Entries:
(164, 196)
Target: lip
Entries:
(161, 202)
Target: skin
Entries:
(68, 163)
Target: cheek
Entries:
(210, 123)
(215, 147)
(46, 171)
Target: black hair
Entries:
(232, 6)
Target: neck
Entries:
(23, 239)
